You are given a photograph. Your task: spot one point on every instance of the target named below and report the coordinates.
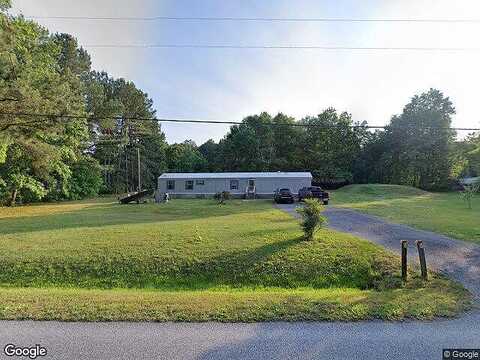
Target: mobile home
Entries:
(239, 184)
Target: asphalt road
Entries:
(317, 340)
(329, 341)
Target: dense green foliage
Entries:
(417, 148)
(444, 213)
(465, 156)
(414, 149)
(61, 157)
(192, 260)
(37, 154)
(327, 145)
(86, 179)
(312, 220)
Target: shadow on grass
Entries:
(105, 214)
(234, 269)
(237, 268)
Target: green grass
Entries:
(444, 213)
(438, 298)
(194, 260)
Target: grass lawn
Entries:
(194, 260)
(445, 213)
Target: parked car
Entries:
(284, 196)
(314, 192)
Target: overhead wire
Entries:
(41, 117)
(282, 47)
(271, 19)
(259, 19)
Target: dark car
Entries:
(315, 192)
(284, 196)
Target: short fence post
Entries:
(404, 259)
(423, 261)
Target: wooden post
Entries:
(404, 259)
(423, 261)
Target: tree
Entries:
(330, 145)
(86, 180)
(154, 159)
(374, 161)
(5, 5)
(249, 146)
(18, 173)
(287, 150)
(121, 125)
(72, 58)
(465, 156)
(38, 152)
(420, 139)
(260, 143)
(185, 157)
(211, 151)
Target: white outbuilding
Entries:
(238, 184)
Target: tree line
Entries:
(101, 123)
(417, 148)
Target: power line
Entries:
(256, 19)
(285, 47)
(195, 121)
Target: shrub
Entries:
(312, 220)
(222, 196)
(469, 192)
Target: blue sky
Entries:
(229, 84)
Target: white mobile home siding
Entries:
(265, 183)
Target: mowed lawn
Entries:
(195, 260)
(445, 213)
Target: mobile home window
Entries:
(233, 184)
(200, 182)
(170, 184)
(189, 185)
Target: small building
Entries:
(239, 184)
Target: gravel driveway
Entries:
(457, 259)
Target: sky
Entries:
(229, 84)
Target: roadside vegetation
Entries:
(445, 213)
(194, 261)
(438, 298)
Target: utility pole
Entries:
(126, 168)
(125, 147)
(138, 165)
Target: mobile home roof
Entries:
(236, 175)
